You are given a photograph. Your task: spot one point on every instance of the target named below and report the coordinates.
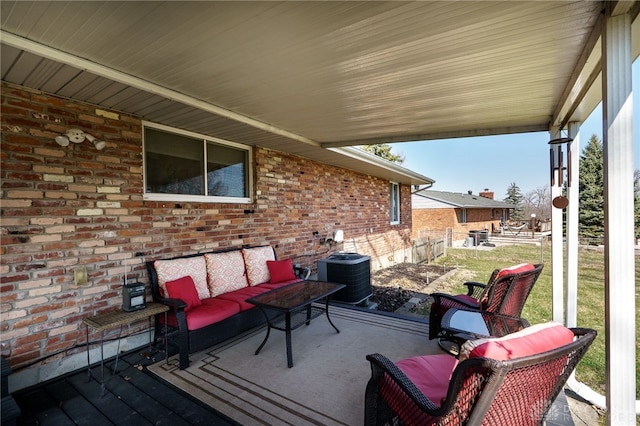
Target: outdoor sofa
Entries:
(207, 293)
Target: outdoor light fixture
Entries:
(78, 136)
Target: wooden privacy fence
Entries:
(427, 249)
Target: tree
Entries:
(538, 202)
(591, 212)
(384, 150)
(514, 196)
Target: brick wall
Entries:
(68, 207)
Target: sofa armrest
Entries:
(174, 304)
(302, 272)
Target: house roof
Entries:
(311, 78)
(459, 200)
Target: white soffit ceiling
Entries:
(303, 76)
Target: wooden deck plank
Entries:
(76, 405)
(150, 409)
(133, 396)
(112, 407)
(39, 408)
(186, 407)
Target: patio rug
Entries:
(326, 384)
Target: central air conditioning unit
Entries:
(350, 269)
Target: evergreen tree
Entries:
(591, 211)
(384, 150)
(515, 197)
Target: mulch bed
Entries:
(397, 284)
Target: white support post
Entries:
(573, 194)
(557, 246)
(620, 306)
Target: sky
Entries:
(494, 162)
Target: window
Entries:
(463, 215)
(176, 170)
(394, 202)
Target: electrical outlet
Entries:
(80, 276)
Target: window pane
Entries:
(173, 163)
(226, 171)
(394, 190)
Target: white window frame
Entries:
(394, 207)
(197, 198)
(463, 215)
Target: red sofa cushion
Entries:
(184, 289)
(529, 341)
(271, 286)
(211, 311)
(280, 270)
(240, 296)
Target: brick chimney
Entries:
(487, 194)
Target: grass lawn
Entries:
(538, 308)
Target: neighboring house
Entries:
(438, 211)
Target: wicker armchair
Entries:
(478, 391)
(505, 293)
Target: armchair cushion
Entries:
(184, 289)
(280, 270)
(420, 370)
(516, 269)
(468, 299)
(529, 341)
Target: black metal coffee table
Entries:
(460, 325)
(293, 304)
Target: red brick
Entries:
(303, 197)
(32, 320)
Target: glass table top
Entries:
(295, 295)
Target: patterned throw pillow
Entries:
(225, 271)
(255, 260)
(194, 267)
